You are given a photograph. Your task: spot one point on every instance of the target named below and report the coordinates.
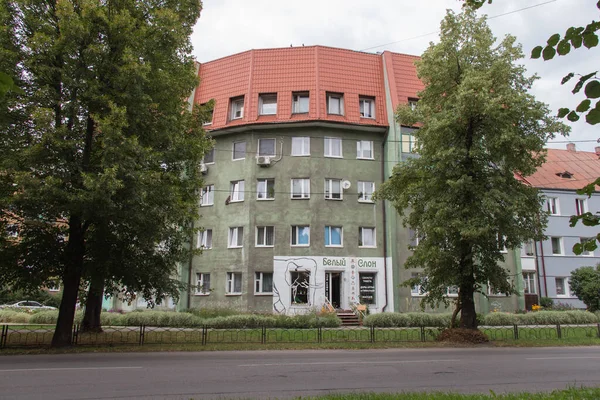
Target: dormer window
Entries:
(412, 103)
(267, 104)
(367, 107)
(565, 175)
(237, 107)
(335, 103)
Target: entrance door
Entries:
(333, 288)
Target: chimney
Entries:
(597, 148)
(571, 147)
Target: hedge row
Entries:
(184, 319)
(391, 320)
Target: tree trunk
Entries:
(455, 313)
(93, 305)
(71, 279)
(468, 316)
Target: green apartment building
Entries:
(303, 137)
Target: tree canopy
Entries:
(479, 126)
(99, 167)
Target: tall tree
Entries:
(479, 126)
(102, 175)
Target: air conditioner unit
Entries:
(263, 161)
(203, 169)
(346, 185)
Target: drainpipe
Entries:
(385, 251)
(543, 268)
(537, 270)
(189, 289)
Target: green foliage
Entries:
(479, 126)
(585, 284)
(14, 317)
(399, 320)
(546, 302)
(100, 166)
(541, 318)
(205, 313)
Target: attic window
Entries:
(565, 175)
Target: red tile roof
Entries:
(314, 69)
(584, 167)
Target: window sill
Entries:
(334, 246)
(238, 159)
(367, 247)
(209, 163)
(264, 246)
(267, 155)
(299, 112)
(207, 205)
(366, 201)
(236, 201)
(299, 245)
(327, 198)
(272, 199)
(233, 294)
(235, 247)
(204, 248)
(262, 114)
(264, 294)
(201, 294)
(328, 156)
(363, 117)
(300, 155)
(365, 158)
(300, 198)
(236, 118)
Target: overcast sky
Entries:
(405, 26)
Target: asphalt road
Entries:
(284, 374)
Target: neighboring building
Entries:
(547, 265)
(303, 137)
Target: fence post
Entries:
(516, 331)
(142, 333)
(372, 333)
(422, 334)
(263, 338)
(75, 334)
(204, 335)
(5, 334)
(320, 334)
(558, 331)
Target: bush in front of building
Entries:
(399, 320)
(206, 313)
(15, 317)
(541, 318)
(500, 319)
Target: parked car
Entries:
(28, 305)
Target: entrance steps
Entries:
(348, 318)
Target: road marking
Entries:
(344, 362)
(65, 369)
(564, 358)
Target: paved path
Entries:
(284, 374)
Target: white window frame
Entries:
(366, 197)
(328, 229)
(260, 154)
(529, 281)
(204, 240)
(328, 143)
(237, 233)
(297, 229)
(361, 237)
(553, 205)
(200, 290)
(412, 103)
(529, 243)
(207, 192)
(565, 286)
(580, 206)
(262, 189)
(237, 191)
(415, 291)
(561, 246)
(335, 98)
(304, 186)
(329, 189)
(297, 102)
(211, 151)
(360, 150)
(233, 150)
(267, 99)
(232, 279)
(259, 277)
(236, 106)
(264, 229)
(304, 143)
(362, 102)
(212, 115)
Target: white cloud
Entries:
(231, 26)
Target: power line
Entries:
(433, 33)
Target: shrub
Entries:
(546, 302)
(44, 317)
(205, 313)
(585, 284)
(557, 317)
(14, 317)
(500, 318)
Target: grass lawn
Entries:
(569, 394)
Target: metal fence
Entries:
(40, 335)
